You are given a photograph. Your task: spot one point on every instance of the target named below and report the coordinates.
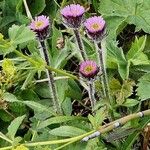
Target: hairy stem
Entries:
(101, 77)
(80, 44)
(91, 92)
(101, 61)
(52, 86)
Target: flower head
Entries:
(88, 69)
(73, 15)
(95, 27)
(40, 25)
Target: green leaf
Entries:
(133, 12)
(67, 106)
(135, 54)
(10, 97)
(37, 6)
(117, 56)
(73, 91)
(143, 90)
(13, 127)
(130, 102)
(67, 131)
(121, 91)
(56, 120)
(136, 48)
(20, 34)
(33, 105)
(5, 46)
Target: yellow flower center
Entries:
(96, 26)
(39, 24)
(88, 69)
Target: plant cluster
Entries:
(76, 76)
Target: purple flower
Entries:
(73, 15)
(95, 27)
(40, 25)
(88, 69)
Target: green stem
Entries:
(77, 138)
(27, 10)
(7, 148)
(46, 66)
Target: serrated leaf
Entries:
(134, 12)
(135, 54)
(20, 34)
(144, 87)
(13, 127)
(121, 91)
(67, 131)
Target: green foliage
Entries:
(67, 131)
(26, 108)
(20, 34)
(132, 12)
(5, 46)
(121, 91)
(13, 127)
(144, 87)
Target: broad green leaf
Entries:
(134, 12)
(36, 6)
(67, 106)
(74, 90)
(117, 56)
(130, 102)
(56, 120)
(67, 131)
(143, 90)
(135, 54)
(20, 34)
(37, 107)
(13, 127)
(136, 48)
(10, 97)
